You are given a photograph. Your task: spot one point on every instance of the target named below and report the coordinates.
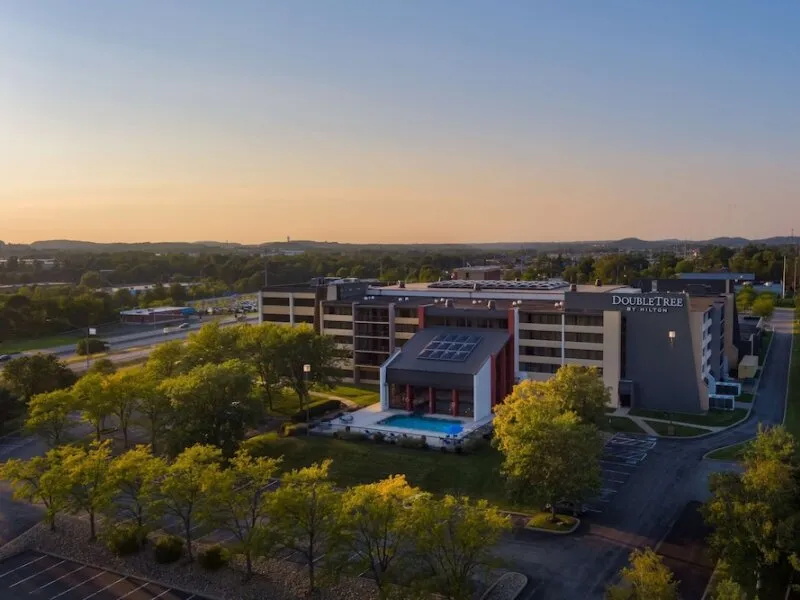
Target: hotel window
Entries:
(585, 320)
(405, 328)
(305, 301)
(338, 310)
(304, 319)
(584, 354)
(538, 368)
(541, 318)
(276, 318)
(586, 338)
(407, 313)
(540, 351)
(271, 301)
(338, 325)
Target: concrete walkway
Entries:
(642, 422)
(348, 403)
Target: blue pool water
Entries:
(450, 426)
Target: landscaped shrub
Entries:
(94, 345)
(352, 436)
(124, 539)
(412, 442)
(378, 437)
(168, 549)
(293, 429)
(316, 410)
(474, 444)
(213, 558)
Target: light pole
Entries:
(671, 427)
(306, 377)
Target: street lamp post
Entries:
(306, 377)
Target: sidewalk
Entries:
(642, 422)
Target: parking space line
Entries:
(59, 578)
(93, 594)
(77, 586)
(145, 584)
(37, 573)
(23, 566)
(166, 591)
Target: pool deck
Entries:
(367, 421)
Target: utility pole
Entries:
(266, 270)
(783, 281)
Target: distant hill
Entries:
(630, 244)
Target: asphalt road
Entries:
(674, 474)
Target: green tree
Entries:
(184, 486)
(261, 345)
(167, 360)
(549, 455)
(215, 403)
(302, 346)
(728, 589)
(91, 489)
(454, 539)
(745, 298)
(153, 409)
(237, 502)
(754, 514)
(102, 366)
(42, 480)
(49, 415)
(123, 391)
(27, 376)
(136, 475)
(379, 520)
(306, 511)
(573, 388)
(93, 401)
(92, 280)
(646, 579)
(764, 306)
(213, 344)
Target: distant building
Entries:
(481, 273)
(162, 315)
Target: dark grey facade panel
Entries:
(429, 379)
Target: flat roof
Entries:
(490, 341)
(719, 276)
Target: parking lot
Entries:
(622, 455)
(33, 574)
(11, 443)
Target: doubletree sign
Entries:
(647, 302)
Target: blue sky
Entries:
(381, 121)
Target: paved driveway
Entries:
(673, 475)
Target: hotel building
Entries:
(457, 347)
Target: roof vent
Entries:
(491, 304)
(598, 283)
(573, 287)
(401, 284)
(476, 287)
(448, 303)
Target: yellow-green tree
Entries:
(548, 456)
(123, 390)
(306, 513)
(764, 306)
(648, 578)
(153, 408)
(167, 360)
(49, 415)
(94, 403)
(186, 483)
(380, 524)
(90, 489)
(573, 388)
(237, 502)
(213, 344)
(454, 538)
(41, 480)
(260, 345)
(137, 475)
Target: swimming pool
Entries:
(447, 426)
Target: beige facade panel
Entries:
(407, 320)
(275, 309)
(337, 318)
(307, 311)
(540, 343)
(403, 335)
(346, 332)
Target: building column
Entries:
(503, 380)
(431, 400)
(454, 403)
(493, 373)
(291, 311)
(409, 397)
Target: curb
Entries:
(552, 532)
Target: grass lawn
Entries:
(792, 422)
(713, 418)
(662, 428)
(542, 520)
(729, 453)
(745, 397)
(363, 395)
(614, 424)
(286, 403)
(10, 346)
(475, 475)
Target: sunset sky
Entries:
(398, 120)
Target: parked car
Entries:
(184, 326)
(569, 508)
